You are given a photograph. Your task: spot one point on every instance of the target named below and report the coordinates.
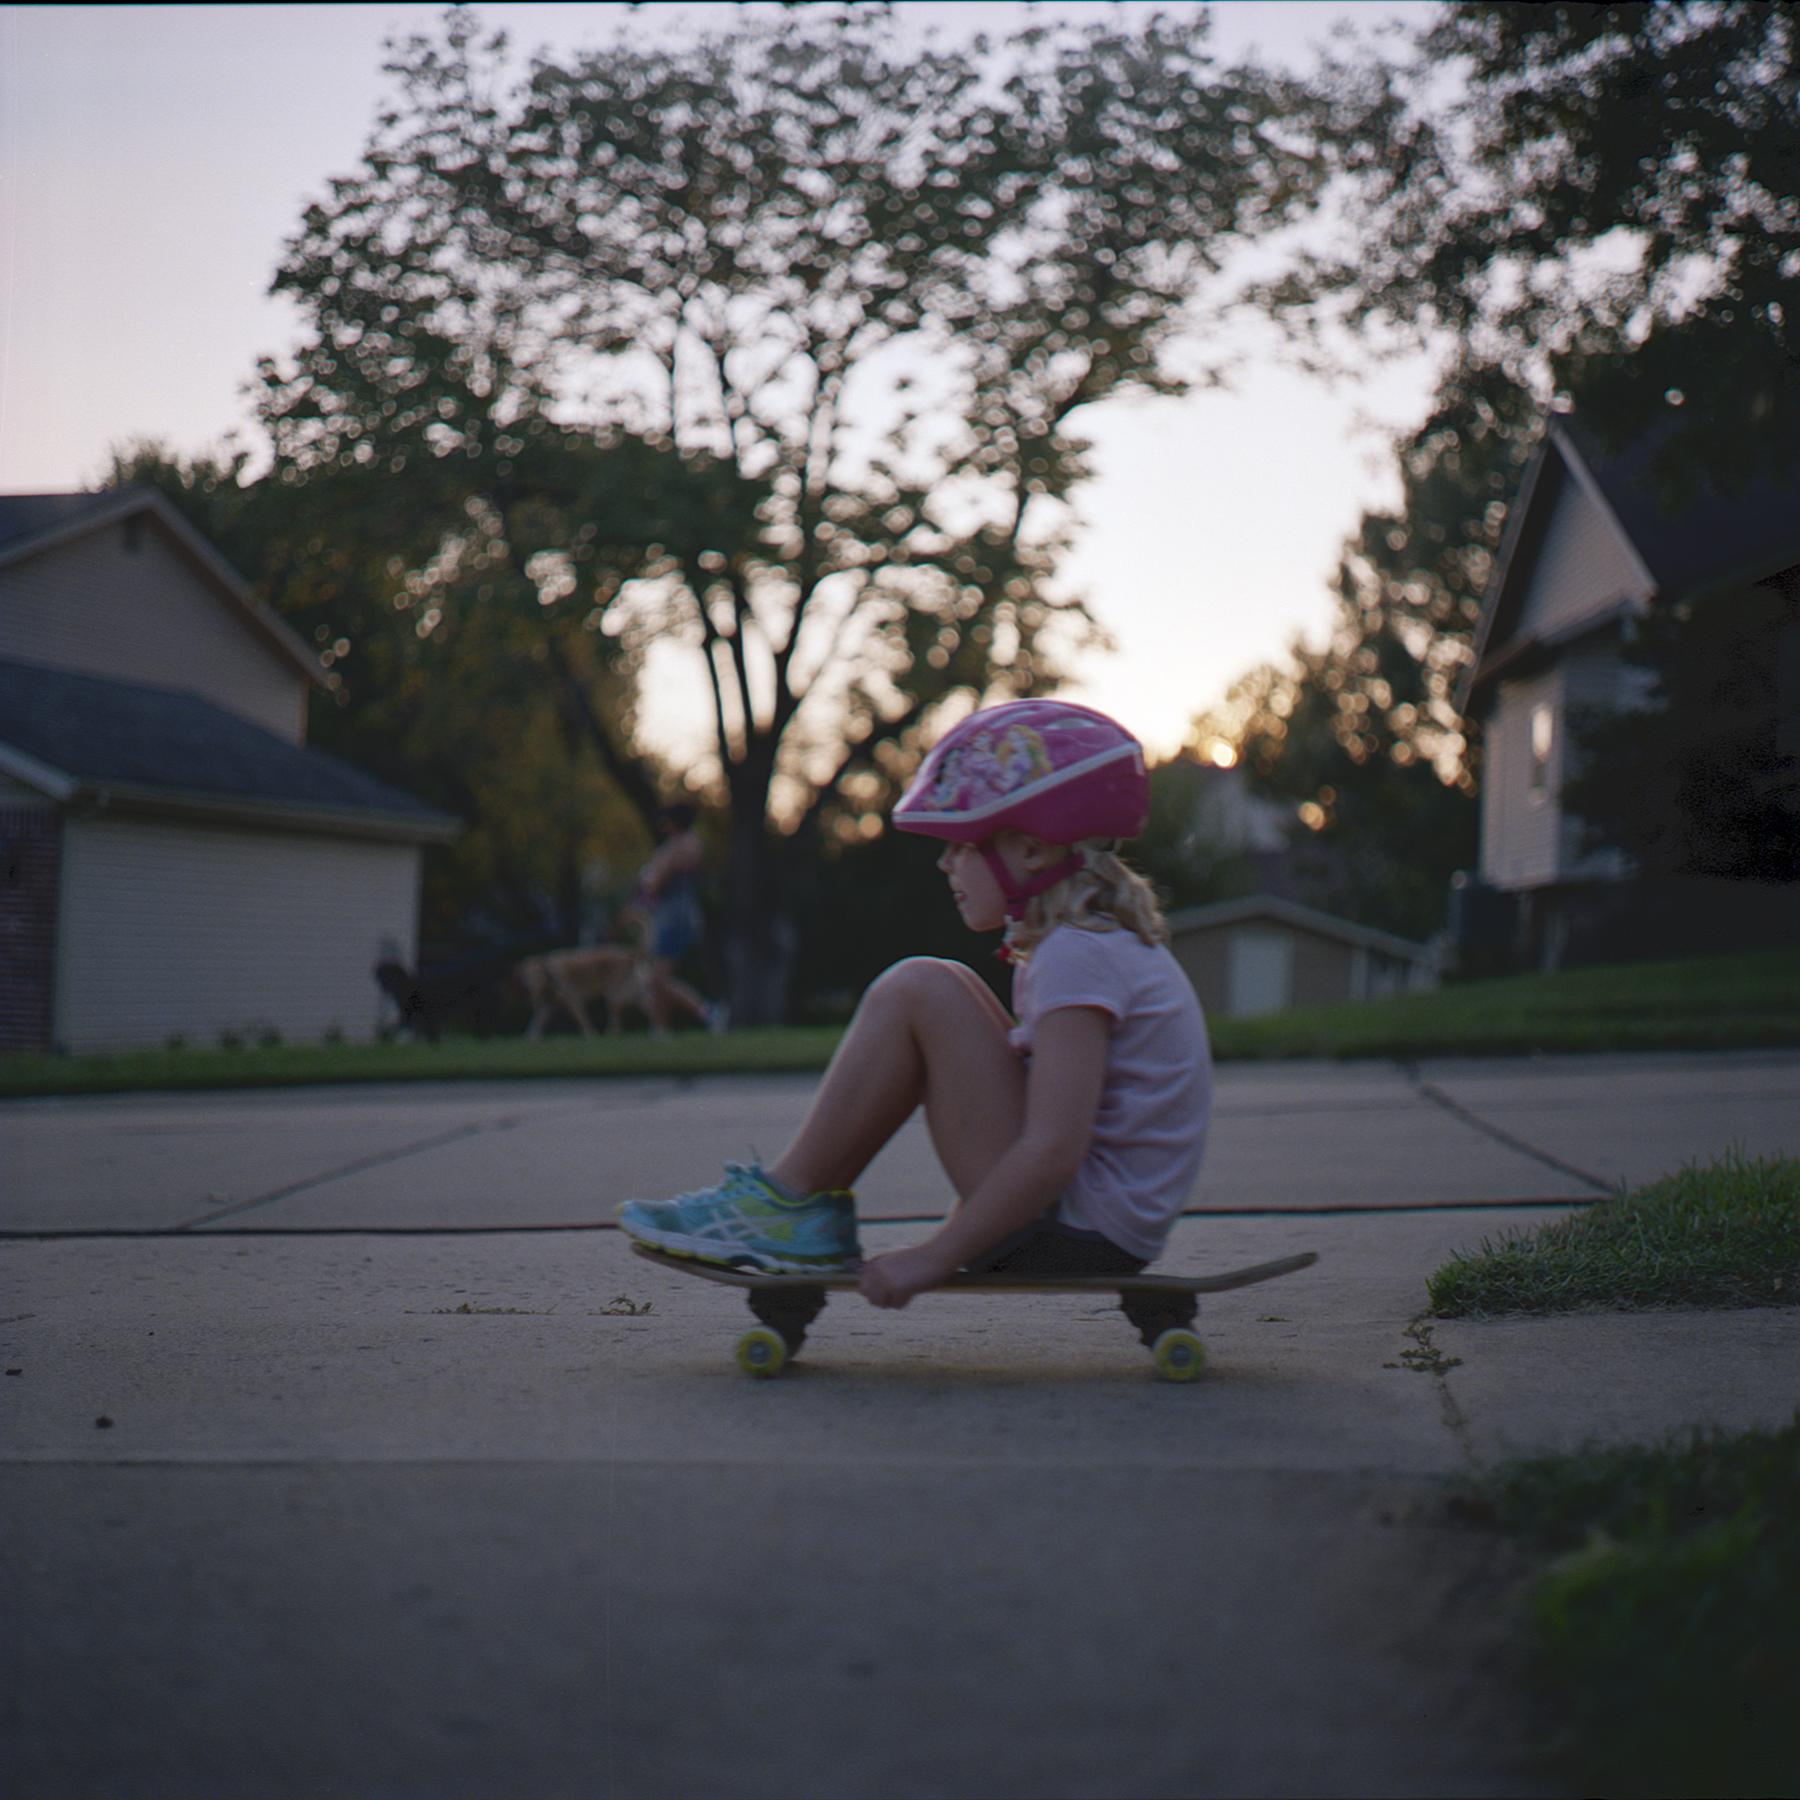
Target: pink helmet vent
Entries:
(1060, 772)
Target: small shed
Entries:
(175, 862)
(1262, 954)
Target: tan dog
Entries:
(570, 979)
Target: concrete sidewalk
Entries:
(391, 1502)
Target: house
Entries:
(1591, 544)
(175, 862)
(1263, 954)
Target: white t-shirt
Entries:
(1150, 1130)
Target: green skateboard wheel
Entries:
(1180, 1356)
(762, 1352)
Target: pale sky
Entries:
(155, 158)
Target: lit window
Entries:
(1543, 741)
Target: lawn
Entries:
(781, 1051)
(1712, 1003)
(1702, 1003)
(1664, 1620)
(1723, 1235)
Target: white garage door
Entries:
(184, 931)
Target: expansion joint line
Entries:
(1436, 1095)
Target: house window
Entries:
(1543, 742)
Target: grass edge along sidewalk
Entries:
(1708, 1003)
(1723, 1235)
(1663, 1623)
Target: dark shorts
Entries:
(1047, 1248)
(677, 932)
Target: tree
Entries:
(1704, 778)
(870, 283)
(1362, 735)
(440, 673)
(1592, 200)
(1586, 204)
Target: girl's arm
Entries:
(1062, 1096)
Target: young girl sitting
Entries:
(1072, 1137)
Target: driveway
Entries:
(344, 1455)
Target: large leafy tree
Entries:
(1591, 200)
(1572, 204)
(441, 672)
(866, 285)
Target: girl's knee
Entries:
(920, 978)
(928, 991)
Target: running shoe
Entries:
(745, 1223)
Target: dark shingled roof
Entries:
(31, 515)
(1692, 542)
(1697, 538)
(158, 745)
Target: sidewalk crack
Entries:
(1426, 1358)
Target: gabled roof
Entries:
(85, 741)
(1685, 548)
(1300, 918)
(1697, 541)
(31, 524)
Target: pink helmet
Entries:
(1060, 772)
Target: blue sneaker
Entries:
(744, 1223)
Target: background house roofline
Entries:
(1302, 918)
(310, 819)
(1521, 516)
(1576, 462)
(113, 507)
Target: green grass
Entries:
(1729, 1002)
(1724, 1235)
(1700, 1003)
(455, 1059)
(1665, 1622)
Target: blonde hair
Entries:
(1105, 894)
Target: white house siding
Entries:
(95, 606)
(1582, 567)
(1521, 826)
(176, 930)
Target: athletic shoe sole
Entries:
(753, 1262)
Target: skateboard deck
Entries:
(1161, 1307)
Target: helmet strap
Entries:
(1019, 893)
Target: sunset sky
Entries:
(155, 158)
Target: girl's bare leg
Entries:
(927, 1033)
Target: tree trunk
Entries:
(759, 934)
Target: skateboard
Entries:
(1162, 1307)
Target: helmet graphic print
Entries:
(1057, 771)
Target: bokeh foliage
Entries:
(857, 288)
(1586, 206)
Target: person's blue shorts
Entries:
(677, 932)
